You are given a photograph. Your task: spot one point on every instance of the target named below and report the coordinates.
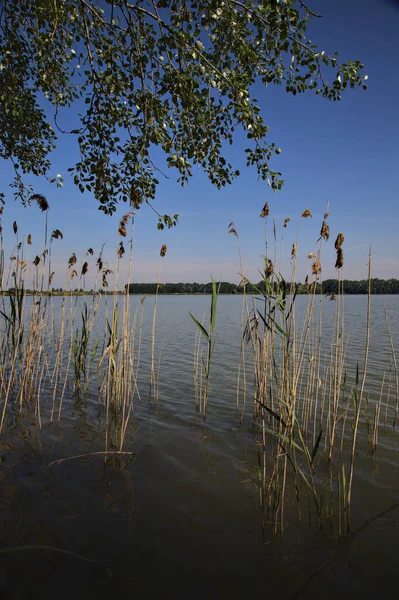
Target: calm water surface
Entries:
(180, 518)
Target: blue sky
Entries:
(346, 153)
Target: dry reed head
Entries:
(29, 240)
(324, 231)
(99, 263)
(287, 220)
(73, 273)
(339, 241)
(122, 229)
(327, 211)
(163, 250)
(121, 250)
(339, 263)
(306, 214)
(50, 279)
(21, 263)
(57, 234)
(72, 260)
(90, 251)
(41, 201)
(268, 268)
(123, 222)
(316, 267)
(307, 280)
(293, 251)
(85, 268)
(231, 228)
(36, 260)
(15, 227)
(265, 211)
(331, 296)
(105, 273)
(311, 255)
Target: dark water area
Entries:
(180, 516)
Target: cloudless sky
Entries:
(345, 152)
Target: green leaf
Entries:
(316, 446)
(200, 327)
(213, 307)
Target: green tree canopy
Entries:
(176, 75)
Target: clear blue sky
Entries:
(346, 152)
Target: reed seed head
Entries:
(29, 240)
(36, 260)
(231, 229)
(339, 241)
(121, 250)
(72, 260)
(163, 250)
(287, 220)
(90, 251)
(293, 251)
(122, 229)
(306, 214)
(123, 222)
(268, 268)
(41, 201)
(15, 227)
(339, 263)
(316, 267)
(265, 211)
(312, 255)
(85, 268)
(50, 279)
(331, 296)
(324, 231)
(57, 234)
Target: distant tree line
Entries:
(378, 286)
(181, 288)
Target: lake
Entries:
(181, 515)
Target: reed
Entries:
(305, 405)
(302, 397)
(44, 354)
(210, 347)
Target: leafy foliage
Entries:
(171, 75)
